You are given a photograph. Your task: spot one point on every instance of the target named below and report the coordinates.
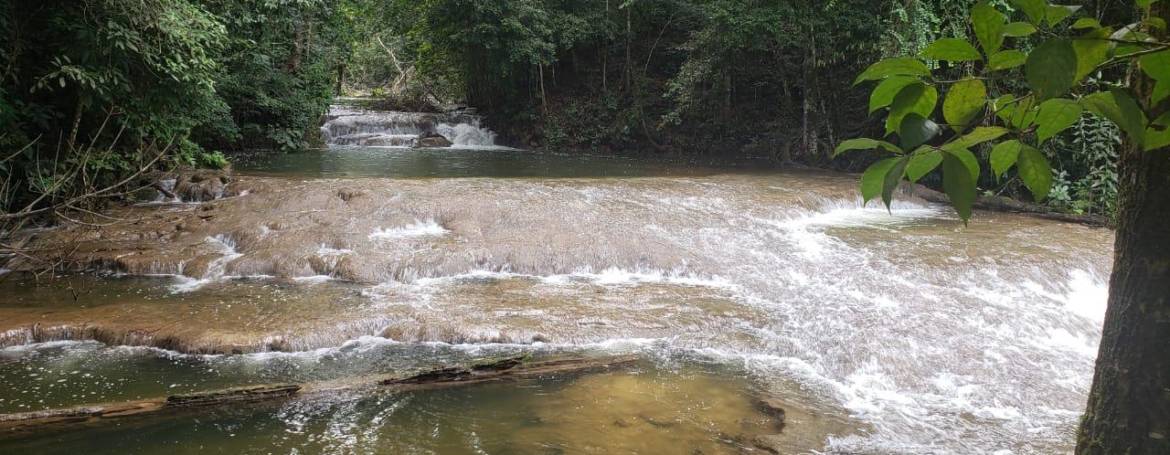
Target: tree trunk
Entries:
(626, 74)
(1129, 405)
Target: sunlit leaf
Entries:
(865, 144)
(1019, 29)
(1092, 49)
(980, 135)
(1156, 65)
(964, 102)
(885, 91)
(967, 158)
(1034, 9)
(989, 24)
(903, 66)
(1056, 115)
(922, 163)
(917, 98)
(1034, 171)
(951, 49)
(1057, 13)
(1023, 115)
(1008, 59)
(1158, 134)
(1003, 156)
(1086, 22)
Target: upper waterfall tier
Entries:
(347, 125)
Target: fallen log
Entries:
(512, 368)
(1004, 204)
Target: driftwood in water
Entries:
(1003, 204)
(499, 370)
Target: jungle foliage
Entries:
(93, 91)
(128, 79)
(1018, 85)
(713, 77)
(1028, 75)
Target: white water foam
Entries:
(216, 269)
(420, 228)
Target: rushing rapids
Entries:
(892, 332)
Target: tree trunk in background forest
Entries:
(1129, 405)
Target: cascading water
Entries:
(923, 335)
(351, 126)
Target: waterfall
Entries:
(347, 125)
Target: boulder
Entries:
(432, 140)
(201, 185)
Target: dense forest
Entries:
(102, 89)
(1067, 106)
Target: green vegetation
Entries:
(1019, 97)
(1022, 82)
(92, 92)
(128, 79)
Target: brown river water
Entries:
(883, 332)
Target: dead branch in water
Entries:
(512, 368)
(71, 195)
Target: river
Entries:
(883, 332)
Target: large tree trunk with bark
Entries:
(1129, 405)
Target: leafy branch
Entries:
(1013, 126)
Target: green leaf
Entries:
(979, 135)
(1161, 92)
(1023, 113)
(1056, 115)
(917, 98)
(1158, 134)
(967, 158)
(1019, 29)
(952, 50)
(865, 144)
(885, 91)
(1034, 171)
(1051, 68)
(1156, 65)
(1092, 49)
(989, 24)
(1004, 107)
(916, 130)
(922, 163)
(1034, 9)
(904, 66)
(1008, 59)
(1057, 13)
(874, 178)
(1003, 156)
(1085, 22)
(964, 102)
(1120, 108)
(958, 185)
(892, 179)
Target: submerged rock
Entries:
(187, 185)
(201, 185)
(432, 140)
